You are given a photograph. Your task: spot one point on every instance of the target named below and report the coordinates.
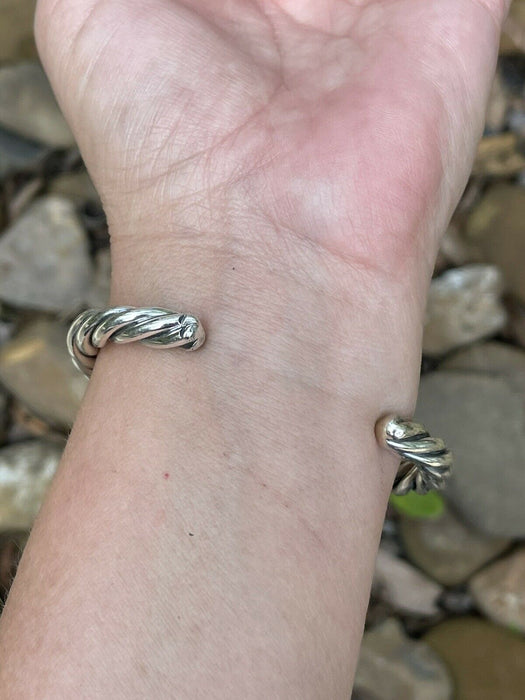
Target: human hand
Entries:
(338, 122)
(327, 142)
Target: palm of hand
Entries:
(333, 121)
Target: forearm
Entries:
(212, 529)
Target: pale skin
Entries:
(283, 170)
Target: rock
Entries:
(28, 106)
(499, 155)
(495, 228)
(391, 666)
(454, 248)
(494, 358)
(37, 369)
(16, 30)
(7, 328)
(495, 118)
(511, 69)
(76, 186)
(24, 425)
(19, 155)
(26, 470)
(389, 530)
(486, 662)
(464, 305)
(517, 121)
(23, 196)
(513, 35)
(44, 259)
(446, 549)
(403, 587)
(377, 612)
(499, 591)
(457, 601)
(98, 294)
(482, 418)
(362, 694)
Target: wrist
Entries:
(315, 328)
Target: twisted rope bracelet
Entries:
(425, 461)
(155, 327)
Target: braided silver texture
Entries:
(155, 327)
(425, 460)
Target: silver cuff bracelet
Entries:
(155, 327)
(425, 461)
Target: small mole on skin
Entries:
(166, 475)
(190, 534)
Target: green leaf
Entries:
(429, 505)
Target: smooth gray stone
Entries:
(28, 106)
(495, 230)
(393, 667)
(19, 155)
(499, 591)
(7, 328)
(446, 549)
(26, 471)
(494, 358)
(76, 186)
(403, 587)
(464, 305)
(482, 418)
(16, 30)
(486, 662)
(35, 366)
(44, 258)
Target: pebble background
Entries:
(447, 610)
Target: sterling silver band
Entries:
(155, 327)
(426, 461)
